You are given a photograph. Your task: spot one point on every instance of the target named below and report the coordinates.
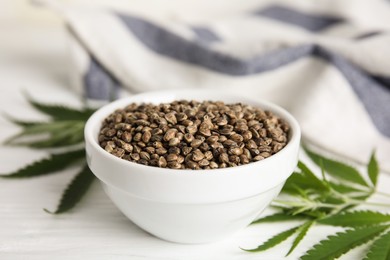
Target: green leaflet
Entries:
(302, 231)
(65, 128)
(373, 169)
(54, 163)
(22, 123)
(335, 246)
(356, 219)
(342, 188)
(337, 169)
(75, 190)
(61, 112)
(55, 134)
(315, 182)
(305, 180)
(380, 249)
(278, 217)
(275, 240)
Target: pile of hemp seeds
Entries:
(193, 135)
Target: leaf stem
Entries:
(382, 193)
(305, 204)
(370, 203)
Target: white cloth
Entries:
(327, 63)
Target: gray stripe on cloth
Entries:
(309, 22)
(374, 96)
(384, 81)
(171, 45)
(99, 84)
(205, 35)
(368, 35)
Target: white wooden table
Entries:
(35, 59)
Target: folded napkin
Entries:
(327, 62)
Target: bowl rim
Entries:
(96, 118)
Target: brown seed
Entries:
(109, 148)
(241, 127)
(180, 159)
(139, 128)
(204, 147)
(196, 143)
(141, 144)
(162, 162)
(187, 122)
(146, 136)
(175, 150)
(253, 123)
(203, 162)
(141, 122)
(234, 159)
(236, 138)
(181, 129)
(251, 145)
(171, 157)
(127, 147)
(135, 156)
(204, 129)
(222, 165)
(111, 132)
(262, 132)
(235, 151)
(222, 138)
(226, 130)
(212, 139)
(258, 158)
(244, 159)
(246, 135)
(157, 144)
(136, 149)
(247, 153)
(186, 150)
(197, 155)
(216, 145)
(151, 150)
(137, 137)
(154, 156)
(208, 155)
(213, 165)
(174, 165)
(157, 131)
(174, 141)
(145, 156)
(181, 116)
(188, 137)
(221, 121)
(161, 151)
(254, 132)
(153, 162)
(170, 134)
(230, 143)
(171, 118)
(192, 165)
(191, 129)
(265, 154)
(126, 136)
(223, 158)
(143, 161)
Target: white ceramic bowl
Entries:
(190, 206)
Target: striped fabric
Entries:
(330, 67)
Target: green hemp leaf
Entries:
(65, 130)
(330, 201)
